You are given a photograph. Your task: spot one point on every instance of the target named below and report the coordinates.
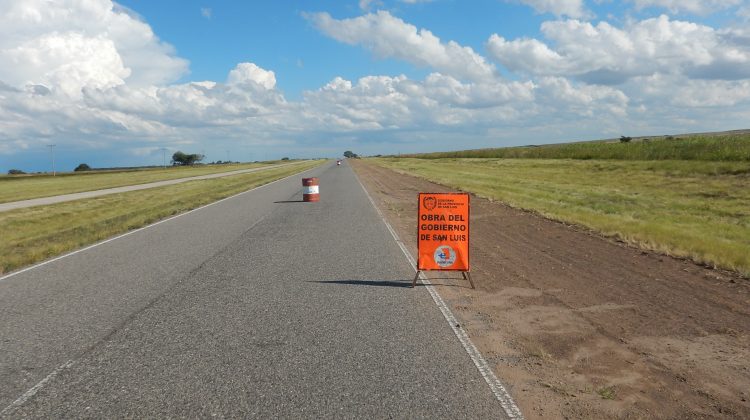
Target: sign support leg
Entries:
(414, 282)
(467, 276)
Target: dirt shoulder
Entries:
(580, 326)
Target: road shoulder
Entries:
(584, 327)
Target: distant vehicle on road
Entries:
(338, 162)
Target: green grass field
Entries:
(690, 208)
(24, 187)
(35, 234)
(725, 148)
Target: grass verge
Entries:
(694, 209)
(16, 188)
(38, 233)
(730, 147)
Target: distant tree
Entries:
(82, 167)
(624, 139)
(285, 158)
(184, 159)
(16, 172)
(349, 154)
(178, 158)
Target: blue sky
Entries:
(110, 84)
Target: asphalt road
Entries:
(44, 201)
(258, 306)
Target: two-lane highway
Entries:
(257, 306)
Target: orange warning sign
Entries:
(443, 231)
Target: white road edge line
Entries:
(15, 273)
(497, 388)
(31, 392)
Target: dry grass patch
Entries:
(16, 188)
(34, 234)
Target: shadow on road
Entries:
(381, 283)
(289, 201)
(378, 283)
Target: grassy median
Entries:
(689, 208)
(24, 187)
(35, 234)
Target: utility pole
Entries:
(164, 157)
(52, 150)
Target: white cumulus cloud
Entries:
(68, 44)
(367, 4)
(698, 7)
(604, 54)
(65, 62)
(570, 8)
(389, 36)
(249, 72)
